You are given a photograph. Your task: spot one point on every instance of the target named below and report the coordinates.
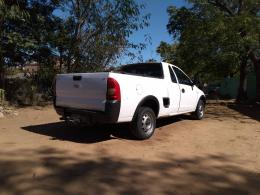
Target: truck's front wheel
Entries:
(144, 123)
(200, 110)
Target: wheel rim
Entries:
(201, 110)
(147, 123)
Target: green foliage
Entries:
(96, 32)
(85, 35)
(25, 27)
(43, 79)
(87, 32)
(213, 36)
(13, 71)
(167, 52)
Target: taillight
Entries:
(113, 90)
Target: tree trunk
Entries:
(61, 60)
(257, 74)
(68, 62)
(256, 63)
(2, 74)
(242, 89)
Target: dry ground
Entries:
(218, 155)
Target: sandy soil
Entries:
(217, 155)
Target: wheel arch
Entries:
(203, 98)
(151, 102)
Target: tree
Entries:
(168, 52)
(246, 23)
(98, 31)
(25, 30)
(86, 35)
(10, 12)
(217, 37)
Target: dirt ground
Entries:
(217, 155)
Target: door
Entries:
(174, 93)
(188, 94)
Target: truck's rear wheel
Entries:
(200, 110)
(144, 123)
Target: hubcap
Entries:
(147, 124)
(201, 110)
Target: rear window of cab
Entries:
(153, 70)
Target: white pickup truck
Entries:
(136, 93)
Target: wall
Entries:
(229, 86)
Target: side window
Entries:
(182, 78)
(172, 75)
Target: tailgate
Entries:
(82, 90)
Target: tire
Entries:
(144, 123)
(71, 123)
(200, 110)
(68, 123)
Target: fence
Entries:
(229, 86)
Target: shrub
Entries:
(2, 96)
(35, 89)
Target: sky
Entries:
(157, 28)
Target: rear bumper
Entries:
(110, 115)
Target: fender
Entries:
(146, 101)
(203, 98)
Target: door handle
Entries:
(77, 78)
(183, 90)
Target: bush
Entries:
(21, 91)
(2, 96)
(36, 89)
(43, 80)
